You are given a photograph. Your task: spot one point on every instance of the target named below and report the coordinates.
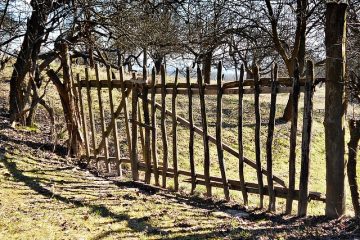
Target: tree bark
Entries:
(354, 127)
(335, 106)
(206, 71)
(67, 97)
(27, 57)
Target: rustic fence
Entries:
(141, 128)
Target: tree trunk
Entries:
(335, 106)
(206, 71)
(27, 57)
(68, 102)
(157, 62)
(354, 127)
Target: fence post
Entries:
(257, 134)
(126, 114)
(102, 119)
(113, 120)
(220, 150)
(174, 130)
(153, 126)
(269, 142)
(147, 128)
(191, 127)
(134, 133)
(293, 132)
(240, 136)
(83, 119)
(205, 132)
(306, 141)
(163, 126)
(91, 115)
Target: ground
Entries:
(45, 195)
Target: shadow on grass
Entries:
(136, 224)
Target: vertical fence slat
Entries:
(126, 114)
(191, 128)
(257, 134)
(91, 114)
(240, 137)
(83, 119)
(269, 141)
(102, 119)
(293, 131)
(174, 129)
(139, 120)
(153, 126)
(147, 129)
(134, 134)
(163, 126)
(205, 133)
(220, 150)
(113, 120)
(306, 141)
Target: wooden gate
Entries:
(141, 126)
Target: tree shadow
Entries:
(136, 224)
(57, 149)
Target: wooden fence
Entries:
(142, 125)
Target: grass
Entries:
(43, 198)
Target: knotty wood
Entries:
(163, 126)
(191, 128)
(174, 130)
(205, 133)
(218, 126)
(257, 134)
(91, 113)
(306, 141)
(102, 121)
(269, 141)
(154, 131)
(113, 121)
(293, 131)
(240, 137)
(134, 135)
(83, 119)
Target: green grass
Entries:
(48, 199)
